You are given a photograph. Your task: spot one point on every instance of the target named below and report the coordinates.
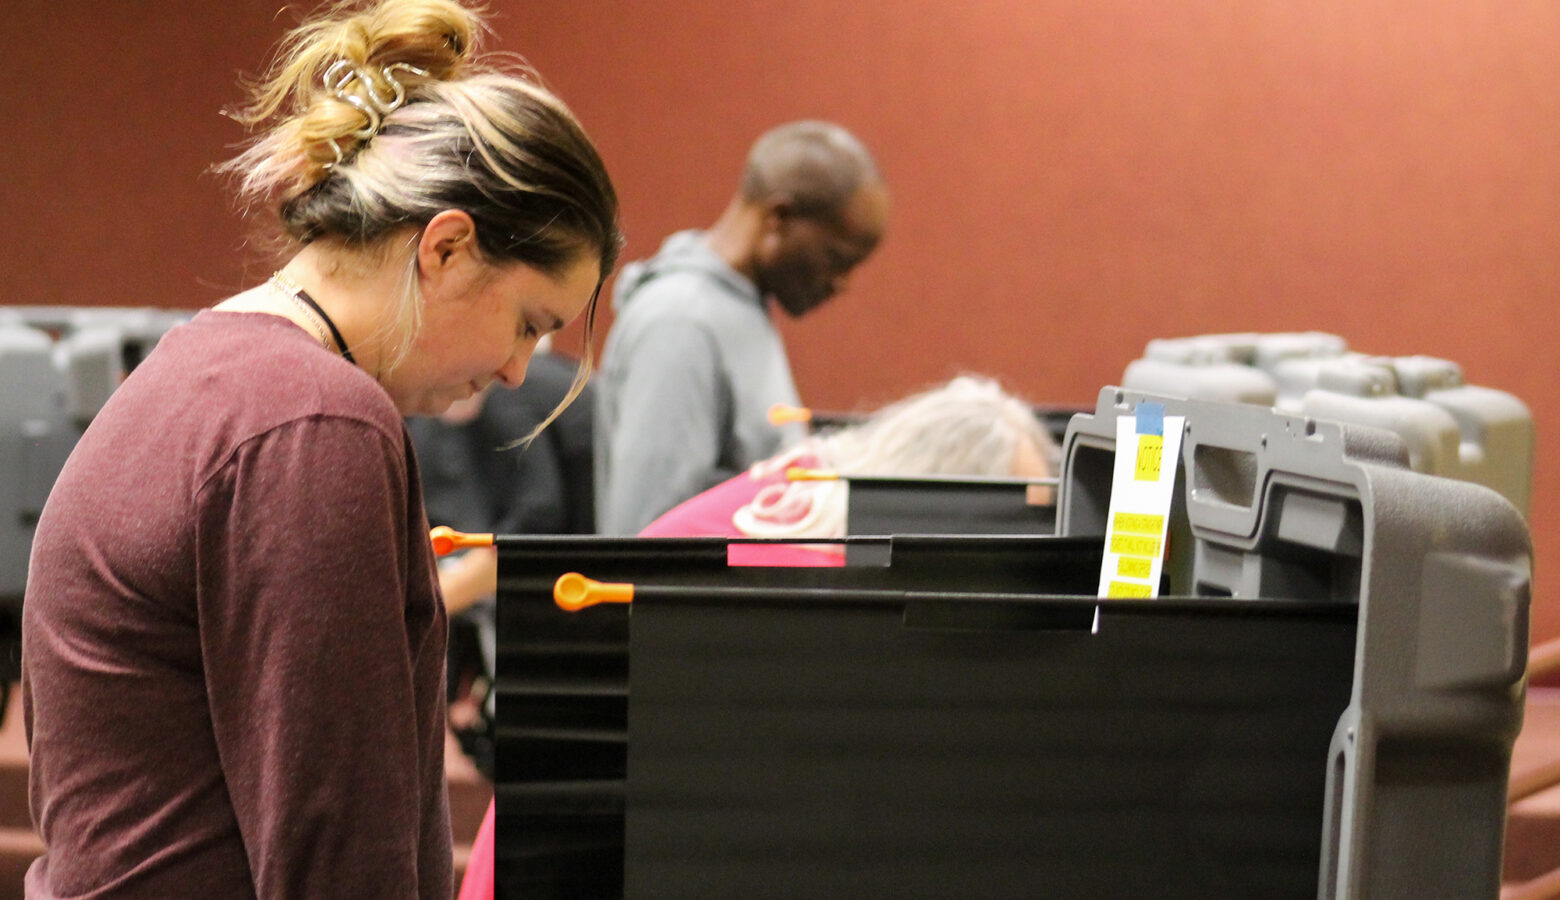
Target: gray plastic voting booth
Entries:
(1322, 704)
(1439, 573)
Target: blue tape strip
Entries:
(1151, 418)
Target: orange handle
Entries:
(447, 540)
(797, 473)
(781, 414)
(573, 592)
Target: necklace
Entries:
(299, 296)
(319, 328)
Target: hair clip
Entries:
(387, 74)
(335, 148)
(370, 101)
(338, 79)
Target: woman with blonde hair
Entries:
(968, 426)
(233, 643)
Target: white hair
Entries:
(969, 426)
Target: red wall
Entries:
(1071, 177)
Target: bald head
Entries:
(811, 207)
(815, 167)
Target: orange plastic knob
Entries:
(782, 414)
(447, 540)
(573, 592)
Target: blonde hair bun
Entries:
(331, 81)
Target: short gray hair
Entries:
(817, 166)
(969, 426)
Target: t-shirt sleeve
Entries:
(666, 440)
(302, 602)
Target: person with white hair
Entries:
(968, 426)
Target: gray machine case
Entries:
(1440, 572)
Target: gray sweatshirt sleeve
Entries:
(663, 431)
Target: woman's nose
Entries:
(512, 374)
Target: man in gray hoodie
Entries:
(693, 362)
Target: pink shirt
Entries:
(478, 883)
(709, 514)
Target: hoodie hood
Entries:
(685, 251)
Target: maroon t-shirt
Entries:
(233, 643)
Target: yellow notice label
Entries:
(1139, 523)
(1150, 450)
(1133, 545)
(1143, 478)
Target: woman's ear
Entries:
(448, 241)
